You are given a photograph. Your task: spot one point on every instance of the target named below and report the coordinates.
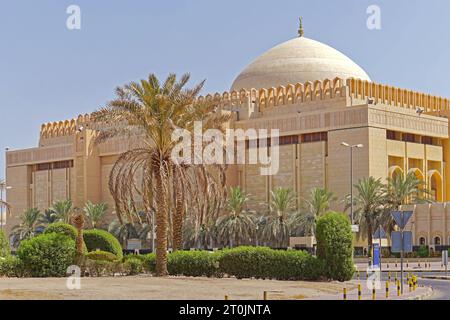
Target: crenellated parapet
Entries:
(63, 128)
(384, 94)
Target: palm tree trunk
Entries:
(369, 236)
(177, 229)
(161, 224)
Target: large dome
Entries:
(297, 61)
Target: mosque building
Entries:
(317, 97)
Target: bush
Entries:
(150, 263)
(101, 255)
(5, 250)
(133, 266)
(335, 246)
(100, 268)
(193, 264)
(134, 256)
(266, 263)
(102, 240)
(47, 255)
(11, 267)
(64, 228)
(423, 252)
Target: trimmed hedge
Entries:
(47, 255)
(96, 239)
(266, 263)
(5, 250)
(64, 228)
(11, 266)
(133, 266)
(242, 262)
(335, 246)
(101, 255)
(194, 264)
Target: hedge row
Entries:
(242, 262)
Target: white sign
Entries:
(445, 257)
(355, 227)
(134, 244)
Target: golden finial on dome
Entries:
(301, 32)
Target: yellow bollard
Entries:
(345, 293)
(399, 292)
(359, 291)
(227, 298)
(265, 295)
(387, 290)
(374, 293)
(389, 276)
(410, 285)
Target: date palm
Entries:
(151, 111)
(317, 204)
(28, 226)
(276, 229)
(369, 201)
(48, 217)
(63, 210)
(238, 226)
(95, 212)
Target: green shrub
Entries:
(423, 252)
(101, 268)
(150, 263)
(47, 255)
(266, 263)
(102, 240)
(5, 250)
(101, 255)
(193, 264)
(11, 266)
(64, 228)
(335, 246)
(134, 256)
(133, 266)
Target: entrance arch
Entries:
(435, 185)
(395, 171)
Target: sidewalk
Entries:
(423, 266)
(366, 294)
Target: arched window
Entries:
(437, 241)
(422, 241)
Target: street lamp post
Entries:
(345, 144)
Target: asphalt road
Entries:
(441, 288)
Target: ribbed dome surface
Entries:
(298, 60)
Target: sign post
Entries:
(401, 238)
(445, 260)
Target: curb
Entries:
(436, 277)
(428, 294)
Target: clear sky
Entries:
(49, 73)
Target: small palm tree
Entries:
(317, 204)
(370, 203)
(28, 226)
(63, 210)
(276, 229)
(95, 212)
(237, 227)
(402, 190)
(48, 217)
(127, 230)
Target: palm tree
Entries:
(402, 190)
(237, 227)
(370, 203)
(63, 210)
(95, 212)
(27, 228)
(48, 217)
(125, 231)
(152, 111)
(276, 229)
(317, 204)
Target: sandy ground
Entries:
(148, 288)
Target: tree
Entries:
(78, 222)
(317, 204)
(27, 228)
(48, 217)
(153, 112)
(95, 212)
(237, 227)
(125, 231)
(369, 201)
(63, 210)
(402, 190)
(276, 229)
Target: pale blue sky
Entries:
(49, 73)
